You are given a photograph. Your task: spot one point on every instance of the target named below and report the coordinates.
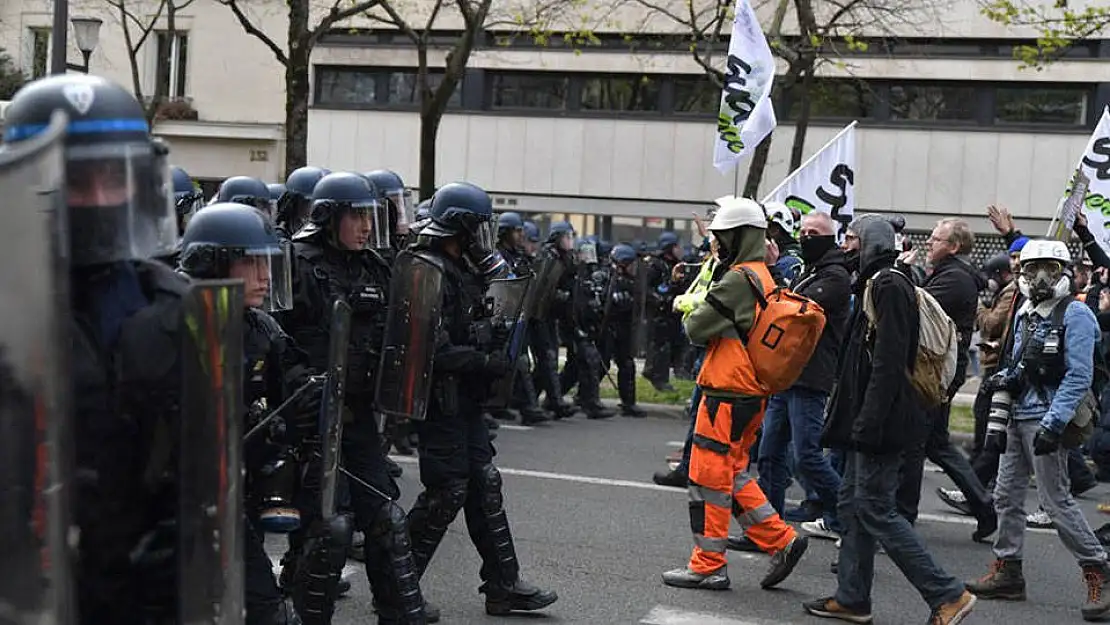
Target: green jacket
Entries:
(731, 290)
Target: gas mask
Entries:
(1042, 280)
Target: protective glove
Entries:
(562, 295)
(995, 442)
(497, 364)
(481, 333)
(303, 415)
(1045, 442)
(501, 333)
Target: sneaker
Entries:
(818, 529)
(955, 499)
(955, 612)
(743, 543)
(1039, 520)
(808, 511)
(685, 578)
(829, 608)
(783, 562)
(1097, 605)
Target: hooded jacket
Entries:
(874, 408)
(955, 284)
(729, 309)
(828, 283)
(992, 324)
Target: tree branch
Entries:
(400, 22)
(336, 15)
(251, 29)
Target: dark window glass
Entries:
(171, 66)
(404, 88)
(1041, 105)
(620, 93)
(932, 102)
(837, 99)
(696, 94)
(529, 91)
(40, 52)
(342, 86)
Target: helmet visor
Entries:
(486, 234)
(267, 276)
(120, 201)
(402, 203)
(356, 218)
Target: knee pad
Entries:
(390, 528)
(444, 503)
(489, 483)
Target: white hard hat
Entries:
(1045, 249)
(736, 212)
(779, 213)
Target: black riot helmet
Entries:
(294, 205)
(230, 240)
(465, 210)
(245, 190)
(303, 180)
(119, 187)
(341, 194)
(186, 197)
(391, 187)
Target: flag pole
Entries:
(810, 160)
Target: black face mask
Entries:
(813, 248)
(852, 258)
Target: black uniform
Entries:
(543, 340)
(127, 393)
(524, 397)
(617, 340)
(580, 327)
(322, 275)
(668, 341)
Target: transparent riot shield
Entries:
(35, 434)
(210, 523)
(411, 327)
(641, 316)
(331, 407)
(547, 270)
(506, 304)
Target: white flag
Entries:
(746, 116)
(1095, 165)
(826, 182)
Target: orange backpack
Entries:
(783, 335)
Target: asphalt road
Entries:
(589, 523)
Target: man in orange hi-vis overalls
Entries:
(731, 411)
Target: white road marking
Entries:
(604, 481)
(665, 615)
(676, 443)
(516, 428)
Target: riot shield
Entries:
(411, 327)
(211, 531)
(331, 408)
(641, 316)
(548, 270)
(506, 299)
(35, 434)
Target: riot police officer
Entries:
(667, 338)
(620, 323)
(126, 363)
(580, 329)
(531, 243)
(186, 197)
(334, 260)
(246, 190)
(445, 272)
(277, 190)
(227, 240)
(392, 193)
(294, 206)
(552, 263)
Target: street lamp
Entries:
(86, 33)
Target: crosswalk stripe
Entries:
(666, 615)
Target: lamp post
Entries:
(86, 33)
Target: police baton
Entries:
(312, 381)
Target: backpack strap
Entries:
(730, 314)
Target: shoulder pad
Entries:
(377, 258)
(307, 250)
(266, 322)
(158, 277)
(429, 257)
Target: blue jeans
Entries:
(792, 427)
(868, 515)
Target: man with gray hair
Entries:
(875, 416)
(955, 283)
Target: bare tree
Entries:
(707, 25)
(139, 20)
(533, 18)
(294, 54)
(11, 79)
(1059, 27)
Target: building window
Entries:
(696, 94)
(1041, 105)
(404, 88)
(932, 102)
(518, 90)
(172, 64)
(620, 93)
(837, 99)
(348, 87)
(40, 52)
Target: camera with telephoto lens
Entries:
(1005, 385)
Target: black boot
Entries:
(532, 416)
(518, 597)
(671, 478)
(597, 411)
(1004, 581)
(632, 410)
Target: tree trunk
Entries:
(755, 170)
(297, 88)
(802, 125)
(429, 130)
